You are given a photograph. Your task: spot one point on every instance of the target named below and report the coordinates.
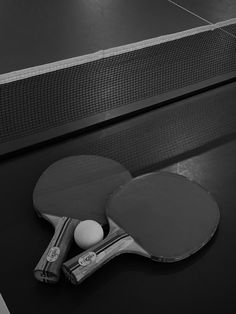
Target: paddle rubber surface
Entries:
(78, 187)
(169, 216)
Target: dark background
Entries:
(34, 33)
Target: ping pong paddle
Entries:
(162, 216)
(70, 190)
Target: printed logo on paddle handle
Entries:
(53, 254)
(87, 258)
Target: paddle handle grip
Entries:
(49, 267)
(83, 265)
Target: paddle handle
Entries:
(49, 267)
(83, 265)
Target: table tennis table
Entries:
(150, 84)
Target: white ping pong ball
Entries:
(88, 233)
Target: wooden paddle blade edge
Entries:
(173, 259)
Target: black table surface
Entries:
(36, 33)
(203, 283)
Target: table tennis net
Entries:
(54, 99)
